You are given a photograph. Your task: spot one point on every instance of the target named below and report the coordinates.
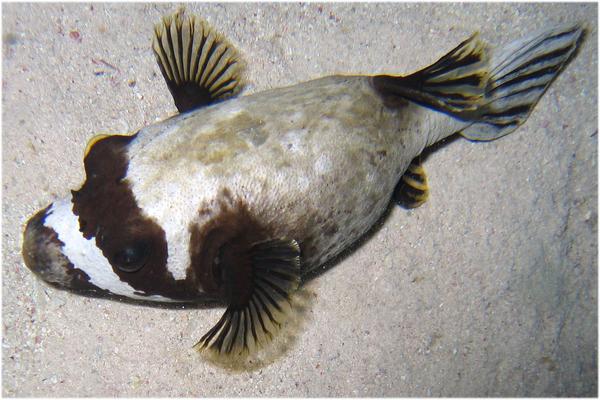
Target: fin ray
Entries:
(454, 84)
(492, 92)
(245, 328)
(412, 190)
(520, 75)
(196, 62)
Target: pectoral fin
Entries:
(412, 190)
(199, 65)
(259, 298)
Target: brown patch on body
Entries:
(225, 140)
(330, 229)
(375, 158)
(220, 249)
(133, 243)
(382, 85)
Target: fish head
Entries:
(98, 240)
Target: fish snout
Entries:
(43, 255)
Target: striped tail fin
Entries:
(519, 75)
(493, 92)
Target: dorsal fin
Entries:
(199, 65)
(454, 84)
(495, 92)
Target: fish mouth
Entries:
(51, 259)
(42, 253)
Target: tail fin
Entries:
(493, 93)
(519, 75)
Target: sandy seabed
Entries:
(489, 289)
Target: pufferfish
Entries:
(238, 198)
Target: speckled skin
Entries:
(317, 162)
(183, 208)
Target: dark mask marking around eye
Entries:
(134, 244)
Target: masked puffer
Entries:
(237, 199)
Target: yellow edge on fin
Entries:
(412, 190)
(199, 65)
(98, 137)
(247, 328)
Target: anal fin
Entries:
(199, 65)
(260, 301)
(412, 190)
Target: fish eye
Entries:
(132, 257)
